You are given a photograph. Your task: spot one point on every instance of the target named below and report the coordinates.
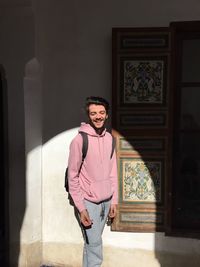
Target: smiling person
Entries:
(93, 183)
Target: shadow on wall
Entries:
(13, 191)
(4, 192)
(55, 153)
(55, 215)
(17, 46)
(54, 162)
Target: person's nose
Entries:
(98, 116)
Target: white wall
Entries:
(31, 230)
(74, 45)
(62, 238)
(16, 49)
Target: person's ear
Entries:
(106, 116)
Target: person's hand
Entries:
(85, 218)
(113, 211)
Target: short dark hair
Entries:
(97, 101)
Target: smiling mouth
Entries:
(98, 121)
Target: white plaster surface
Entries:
(72, 39)
(75, 45)
(59, 224)
(31, 229)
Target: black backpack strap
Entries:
(85, 145)
(84, 153)
(113, 146)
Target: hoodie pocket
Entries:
(101, 190)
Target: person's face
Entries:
(97, 115)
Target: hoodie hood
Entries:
(87, 128)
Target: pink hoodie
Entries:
(97, 180)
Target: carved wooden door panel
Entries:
(141, 59)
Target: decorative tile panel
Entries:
(143, 81)
(141, 180)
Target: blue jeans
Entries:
(93, 249)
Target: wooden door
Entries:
(140, 100)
